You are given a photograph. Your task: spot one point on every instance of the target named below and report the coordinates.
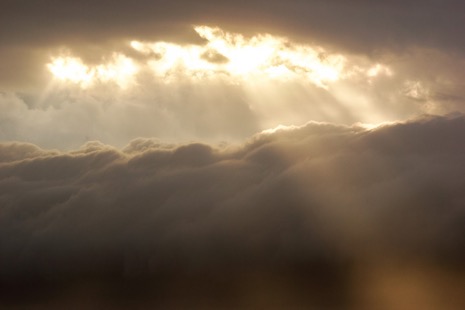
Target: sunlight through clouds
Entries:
(238, 57)
(301, 154)
(271, 79)
(71, 69)
(379, 69)
(119, 70)
(231, 57)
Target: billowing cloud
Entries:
(320, 215)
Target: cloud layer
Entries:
(322, 215)
(358, 24)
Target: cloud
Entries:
(93, 31)
(319, 215)
(324, 215)
(361, 25)
(63, 115)
(381, 81)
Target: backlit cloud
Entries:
(336, 203)
(119, 70)
(224, 55)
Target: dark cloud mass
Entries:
(323, 216)
(360, 24)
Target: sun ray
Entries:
(226, 56)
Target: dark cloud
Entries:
(320, 215)
(357, 24)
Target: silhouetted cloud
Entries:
(360, 25)
(322, 215)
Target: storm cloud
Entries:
(319, 215)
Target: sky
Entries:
(232, 154)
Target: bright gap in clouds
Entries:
(224, 55)
(225, 88)
(120, 69)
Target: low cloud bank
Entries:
(319, 215)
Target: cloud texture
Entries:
(319, 215)
(357, 24)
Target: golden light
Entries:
(175, 59)
(379, 69)
(71, 69)
(119, 70)
(240, 58)
(273, 57)
(227, 56)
